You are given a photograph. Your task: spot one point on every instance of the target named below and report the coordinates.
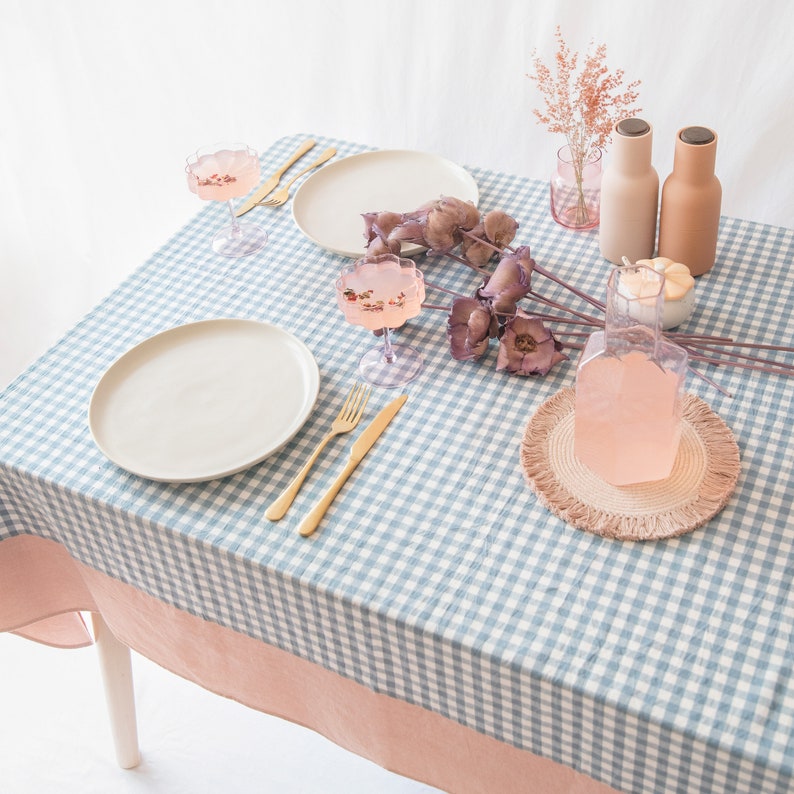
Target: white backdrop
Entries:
(100, 102)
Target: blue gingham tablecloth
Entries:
(436, 576)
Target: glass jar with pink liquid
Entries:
(630, 385)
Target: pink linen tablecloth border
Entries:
(42, 589)
(42, 593)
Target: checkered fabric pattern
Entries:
(436, 577)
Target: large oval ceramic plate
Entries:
(203, 400)
(328, 205)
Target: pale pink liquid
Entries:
(225, 174)
(397, 292)
(627, 420)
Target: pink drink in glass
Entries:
(381, 293)
(224, 174)
(379, 297)
(629, 425)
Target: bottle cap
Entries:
(633, 127)
(697, 136)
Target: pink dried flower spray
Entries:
(582, 104)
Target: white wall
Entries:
(100, 102)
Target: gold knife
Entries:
(363, 444)
(271, 183)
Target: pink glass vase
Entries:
(576, 189)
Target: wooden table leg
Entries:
(116, 666)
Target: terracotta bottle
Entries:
(691, 198)
(629, 195)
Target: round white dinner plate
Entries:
(203, 400)
(328, 205)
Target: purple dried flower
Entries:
(411, 230)
(509, 282)
(441, 222)
(380, 246)
(505, 286)
(478, 253)
(380, 224)
(377, 228)
(442, 233)
(496, 229)
(500, 228)
(524, 258)
(470, 326)
(527, 347)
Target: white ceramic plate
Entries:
(328, 205)
(204, 400)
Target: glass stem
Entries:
(235, 225)
(388, 350)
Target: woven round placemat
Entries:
(703, 478)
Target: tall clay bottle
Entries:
(629, 195)
(689, 219)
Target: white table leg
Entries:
(116, 666)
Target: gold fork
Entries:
(348, 417)
(281, 195)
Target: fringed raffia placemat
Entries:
(703, 477)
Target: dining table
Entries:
(441, 621)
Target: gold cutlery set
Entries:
(353, 408)
(259, 198)
(348, 418)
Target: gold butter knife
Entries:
(363, 444)
(273, 181)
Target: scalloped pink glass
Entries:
(222, 172)
(383, 292)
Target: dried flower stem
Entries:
(579, 293)
(757, 367)
(709, 381)
(723, 340)
(553, 318)
(571, 333)
(760, 364)
(444, 289)
(556, 305)
(730, 342)
(482, 271)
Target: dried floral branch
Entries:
(527, 346)
(582, 104)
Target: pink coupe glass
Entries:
(381, 293)
(223, 172)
